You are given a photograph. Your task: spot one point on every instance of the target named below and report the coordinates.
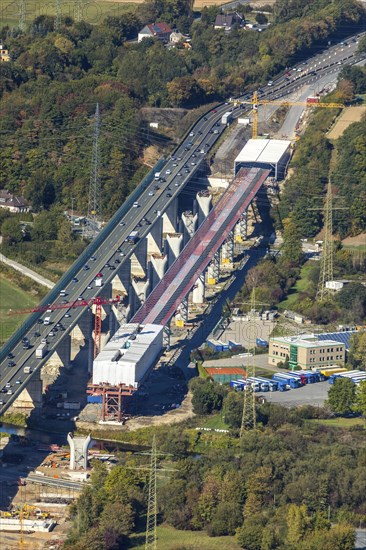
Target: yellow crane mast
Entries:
(255, 102)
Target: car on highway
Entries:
(10, 392)
(117, 261)
(80, 299)
(67, 315)
(18, 381)
(11, 364)
(112, 268)
(151, 194)
(10, 356)
(86, 267)
(169, 195)
(93, 259)
(122, 223)
(135, 204)
(168, 172)
(37, 334)
(191, 134)
(122, 254)
(8, 385)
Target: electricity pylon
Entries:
(327, 257)
(22, 25)
(94, 184)
(57, 22)
(78, 10)
(151, 534)
(248, 421)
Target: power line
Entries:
(248, 421)
(95, 184)
(22, 24)
(151, 533)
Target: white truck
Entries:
(41, 351)
(47, 320)
(133, 237)
(226, 117)
(27, 370)
(157, 175)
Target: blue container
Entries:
(94, 399)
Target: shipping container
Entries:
(215, 345)
(226, 118)
(94, 398)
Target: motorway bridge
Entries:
(155, 214)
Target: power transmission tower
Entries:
(78, 10)
(94, 185)
(57, 22)
(22, 25)
(326, 261)
(151, 534)
(248, 421)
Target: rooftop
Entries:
(266, 151)
(307, 340)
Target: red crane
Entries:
(97, 302)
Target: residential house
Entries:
(4, 54)
(155, 30)
(12, 202)
(227, 21)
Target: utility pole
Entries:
(151, 534)
(57, 22)
(94, 184)
(327, 257)
(248, 421)
(22, 25)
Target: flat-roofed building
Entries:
(265, 153)
(306, 351)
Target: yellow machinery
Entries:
(255, 102)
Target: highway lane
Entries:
(206, 132)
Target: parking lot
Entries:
(311, 394)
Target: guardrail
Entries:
(84, 256)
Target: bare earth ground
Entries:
(348, 116)
(359, 240)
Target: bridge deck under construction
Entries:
(180, 278)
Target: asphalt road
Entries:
(27, 272)
(187, 157)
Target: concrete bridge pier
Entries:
(198, 294)
(170, 217)
(141, 291)
(31, 396)
(122, 281)
(213, 270)
(155, 237)
(189, 226)
(83, 335)
(158, 267)
(139, 259)
(204, 202)
(173, 246)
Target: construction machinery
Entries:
(255, 101)
(97, 302)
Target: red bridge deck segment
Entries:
(161, 304)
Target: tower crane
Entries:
(255, 102)
(98, 302)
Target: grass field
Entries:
(91, 11)
(172, 539)
(341, 422)
(302, 284)
(12, 297)
(214, 422)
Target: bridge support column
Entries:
(158, 267)
(60, 358)
(241, 228)
(155, 237)
(189, 226)
(141, 291)
(78, 451)
(204, 202)
(174, 245)
(84, 332)
(122, 281)
(213, 270)
(139, 259)
(31, 396)
(166, 336)
(170, 217)
(227, 251)
(198, 294)
(182, 315)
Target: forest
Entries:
(50, 88)
(293, 483)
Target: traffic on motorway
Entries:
(20, 363)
